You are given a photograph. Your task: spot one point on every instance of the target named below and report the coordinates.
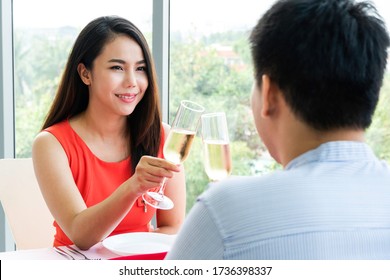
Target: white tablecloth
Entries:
(96, 252)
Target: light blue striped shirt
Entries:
(332, 202)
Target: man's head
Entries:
(327, 57)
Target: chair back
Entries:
(25, 209)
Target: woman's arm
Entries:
(169, 221)
(87, 226)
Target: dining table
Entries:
(96, 252)
(71, 252)
(103, 262)
(134, 245)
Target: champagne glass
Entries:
(217, 158)
(177, 147)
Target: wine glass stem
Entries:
(162, 186)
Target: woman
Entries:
(100, 147)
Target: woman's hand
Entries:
(150, 173)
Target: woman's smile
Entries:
(127, 97)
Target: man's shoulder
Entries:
(238, 188)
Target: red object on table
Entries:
(155, 256)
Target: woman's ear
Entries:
(84, 74)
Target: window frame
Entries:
(7, 111)
(160, 51)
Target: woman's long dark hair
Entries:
(72, 97)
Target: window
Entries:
(42, 42)
(209, 63)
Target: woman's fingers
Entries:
(158, 167)
(151, 171)
(161, 163)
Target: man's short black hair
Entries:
(327, 56)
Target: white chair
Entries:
(26, 212)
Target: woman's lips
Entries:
(126, 97)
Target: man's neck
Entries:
(305, 139)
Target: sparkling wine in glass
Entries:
(215, 135)
(177, 147)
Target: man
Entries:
(319, 66)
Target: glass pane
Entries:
(210, 63)
(42, 41)
(378, 135)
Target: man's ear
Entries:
(84, 74)
(269, 95)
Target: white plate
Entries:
(135, 243)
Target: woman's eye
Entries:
(141, 68)
(116, 67)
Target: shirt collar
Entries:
(334, 151)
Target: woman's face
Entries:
(118, 79)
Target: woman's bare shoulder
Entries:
(45, 142)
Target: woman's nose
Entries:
(131, 79)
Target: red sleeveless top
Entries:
(97, 179)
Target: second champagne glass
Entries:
(217, 159)
(177, 147)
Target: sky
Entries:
(203, 15)
(77, 13)
(195, 15)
